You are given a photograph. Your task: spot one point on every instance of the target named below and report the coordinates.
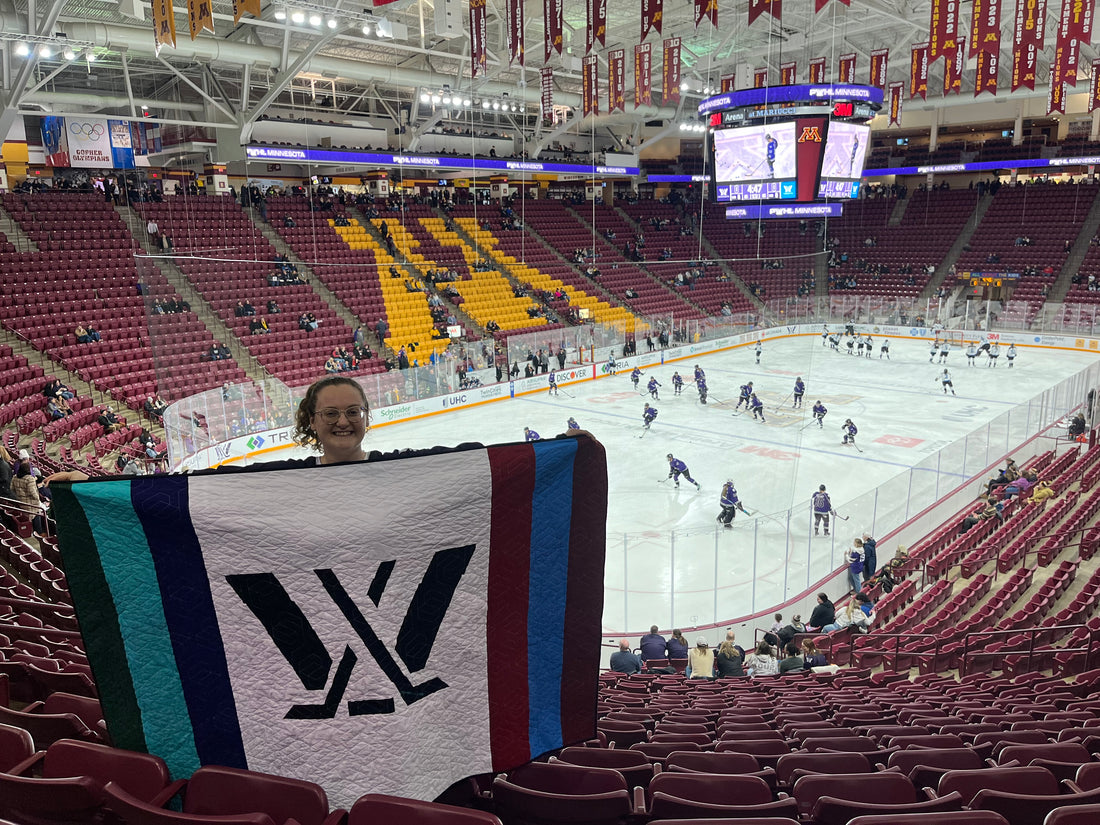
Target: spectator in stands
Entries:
(986, 511)
(729, 661)
(155, 406)
(851, 616)
(288, 222)
(701, 660)
(55, 389)
(794, 662)
(762, 662)
(677, 646)
(1077, 426)
(1041, 492)
(109, 421)
(653, 645)
(855, 558)
(307, 322)
(258, 326)
(811, 656)
(789, 631)
(239, 310)
(870, 556)
(624, 661)
(58, 408)
(334, 365)
(24, 488)
(1006, 476)
(273, 308)
(6, 472)
(153, 230)
(823, 614)
(83, 336)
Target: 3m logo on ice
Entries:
(255, 442)
(297, 640)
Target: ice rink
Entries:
(668, 561)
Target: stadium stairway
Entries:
(15, 234)
(944, 267)
(202, 310)
(1081, 245)
(898, 213)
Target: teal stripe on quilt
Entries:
(131, 577)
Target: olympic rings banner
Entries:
(87, 142)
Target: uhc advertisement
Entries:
(87, 142)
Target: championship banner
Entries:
(546, 78)
(1094, 90)
(895, 104)
(242, 6)
(820, 4)
(1028, 35)
(616, 80)
(514, 23)
(552, 14)
(597, 24)
(880, 58)
(728, 83)
(985, 28)
(268, 620)
(787, 73)
(706, 10)
(1056, 94)
(943, 29)
(670, 71)
(953, 71)
(1064, 43)
(590, 78)
(758, 7)
(479, 58)
(1074, 28)
(164, 24)
(847, 73)
(817, 70)
(759, 78)
(643, 75)
(918, 71)
(985, 73)
(200, 15)
(652, 12)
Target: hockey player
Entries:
(757, 408)
(611, 363)
(572, 424)
(648, 416)
(677, 468)
(834, 343)
(677, 383)
(759, 349)
(945, 348)
(884, 349)
(1011, 354)
(745, 396)
(819, 413)
(553, 385)
(822, 507)
(825, 335)
(994, 353)
(701, 385)
(851, 345)
(730, 504)
(652, 387)
(859, 345)
(971, 353)
(870, 342)
(932, 353)
(636, 376)
(699, 373)
(945, 379)
(849, 430)
(530, 435)
(984, 346)
(799, 391)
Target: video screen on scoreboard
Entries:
(845, 154)
(756, 162)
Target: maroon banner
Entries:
(985, 28)
(759, 78)
(513, 15)
(1094, 91)
(943, 30)
(953, 71)
(670, 71)
(817, 70)
(652, 12)
(728, 83)
(597, 24)
(1028, 34)
(616, 80)
(820, 4)
(847, 73)
(479, 56)
(918, 71)
(758, 7)
(787, 73)
(895, 104)
(590, 79)
(880, 58)
(985, 73)
(643, 75)
(551, 10)
(1056, 94)
(546, 78)
(706, 10)
(1074, 27)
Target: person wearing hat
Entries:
(625, 661)
(701, 660)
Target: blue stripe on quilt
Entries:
(132, 579)
(162, 505)
(551, 510)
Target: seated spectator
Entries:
(824, 613)
(762, 662)
(1078, 426)
(288, 222)
(700, 660)
(83, 336)
(258, 326)
(652, 645)
(986, 510)
(58, 408)
(789, 631)
(55, 389)
(794, 662)
(307, 322)
(1006, 476)
(624, 661)
(677, 646)
(109, 421)
(729, 662)
(334, 365)
(1041, 493)
(851, 616)
(811, 656)
(273, 308)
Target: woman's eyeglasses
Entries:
(331, 415)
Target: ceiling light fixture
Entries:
(45, 52)
(366, 29)
(22, 50)
(298, 17)
(315, 20)
(332, 23)
(69, 54)
(280, 14)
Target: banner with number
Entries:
(596, 32)
(953, 70)
(479, 56)
(1094, 86)
(847, 70)
(616, 80)
(242, 6)
(552, 14)
(706, 10)
(670, 71)
(985, 73)
(546, 80)
(268, 620)
(1056, 94)
(643, 75)
(513, 19)
(200, 14)
(1028, 35)
(879, 61)
(817, 70)
(985, 27)
(759, 78)
(652, 12)
(590, 78)
(918, 72)
(895, 103)
(943, 29)
(758, 7)
(788, 73)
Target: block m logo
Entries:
(810, 134)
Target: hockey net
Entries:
(955, 338)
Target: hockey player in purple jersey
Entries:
(636, 377)
(799, 391)
(701, 385)
(819, 414)
(822, 507)
(745, 396)
(652, 387)
(677, 383)
(730, 504)
(677, 468)
(530, 435)
(757, 408)
(649, 414)
(849, 430)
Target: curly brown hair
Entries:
(304, 434)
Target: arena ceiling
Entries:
(331, 70)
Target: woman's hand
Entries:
(71, 475)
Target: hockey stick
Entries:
(846, 443)
(741, 507)
(736, 413)
(663, 480)
(784, 401)
(644, 431)
(835, 514)
(567, 394)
